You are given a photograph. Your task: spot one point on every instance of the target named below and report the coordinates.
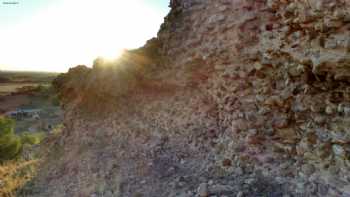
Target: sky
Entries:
(54, 35)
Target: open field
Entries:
(9, 88)
(11, 82)
(26, 77)
(29, 91)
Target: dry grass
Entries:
(14, 175)
(8, 88)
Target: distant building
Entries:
(24, 113)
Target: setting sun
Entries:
(111, 55)
(67, 33)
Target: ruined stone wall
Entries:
(251, 98)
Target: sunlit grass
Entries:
(15, 174)
(18, 159)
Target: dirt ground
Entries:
(10, 103)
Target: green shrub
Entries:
(32, 138)
(10, 146)
(57, 130)
(55, 100)
(6, 126)
(44, 90)
(10, 143)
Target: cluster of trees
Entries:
(11, 144)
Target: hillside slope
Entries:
(233, 98)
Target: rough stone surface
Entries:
(250, 94)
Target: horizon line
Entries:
(28, 71)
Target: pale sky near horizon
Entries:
(54, 35)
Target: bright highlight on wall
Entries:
(76, 32)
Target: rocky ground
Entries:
(234, 98)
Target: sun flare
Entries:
(53, 41)
(111, 55)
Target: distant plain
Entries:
(29, 90)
